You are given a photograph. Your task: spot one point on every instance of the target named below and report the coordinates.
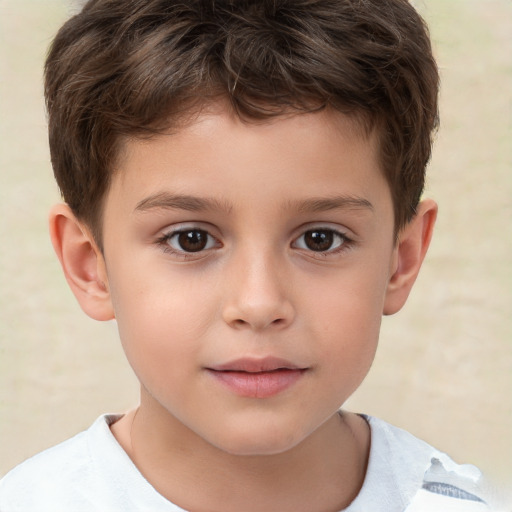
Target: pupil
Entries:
(319, 240)
(192, 241)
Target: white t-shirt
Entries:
(91, 472)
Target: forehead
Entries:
(197, 116)
(217, 152)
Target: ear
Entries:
(82, 262)
(410, 250)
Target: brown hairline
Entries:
(136, 68)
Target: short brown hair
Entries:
(133, 67)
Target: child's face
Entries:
(233, 248)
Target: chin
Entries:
(265, 441)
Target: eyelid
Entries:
(327, 226)
(180, 227)
(170, 232)
(172, 237)
(347, 240)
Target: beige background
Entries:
(444, 367)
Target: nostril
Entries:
(258, 315)
(259, 323)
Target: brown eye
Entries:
(191, 240)
(320, 240)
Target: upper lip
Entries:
(255, 365)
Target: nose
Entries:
(258, 295)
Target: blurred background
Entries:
(444, 367)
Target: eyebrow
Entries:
(168, 201)
(323, 204)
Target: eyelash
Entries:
(165, 240)
(344, 242)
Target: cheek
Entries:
(160, 325)
(347, 316)
(351, 329)
(160, 300)
(350, 301)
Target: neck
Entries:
(323, 472)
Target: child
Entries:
(242, 183)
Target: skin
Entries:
(257, 192)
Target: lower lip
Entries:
(258, 384)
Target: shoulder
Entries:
(67, 456)
(407, 474)
(52, 477)
(89, 472)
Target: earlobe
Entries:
(412, 245)
(82, 262)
